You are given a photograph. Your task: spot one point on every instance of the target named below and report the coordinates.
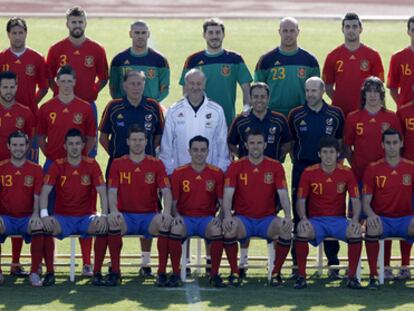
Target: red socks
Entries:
(49, 252)
(86, 248)
(174, 248)
(115, 246)
(101, 243)
(216, 251)
(231, 247)
(282, 249)
(17, 244)
(36, 251)
(162, 245)
(372, 247)
(302, 251)
(405, 249)
(354, 253)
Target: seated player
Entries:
(250, 187)
(321, 206)
(197, 188)
(387, 199)
(20, 185)
(75, 178)
(134, 181)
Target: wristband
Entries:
(43, 213)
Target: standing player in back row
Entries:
(401, 75)
(348, 65)
(286, 68)
(140, 57)
(223, 69)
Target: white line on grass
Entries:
(192, 293)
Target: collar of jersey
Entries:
(208, 54)
(138, 55)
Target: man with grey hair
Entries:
(286, 68)
(308, 124)
(194, 114)
(140, 57)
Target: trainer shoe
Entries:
(35, 280)
(174, 280)
(112, 279)
(234, 280)
(276, 281)
(216, 281)
(373, 283)
(162, 280)
(49, 279)
(300, 283)
(294, 274)
(1, 278)
(208, 267)
(18, 271)
(98, 280)
(243, 273)
(353, 283)
(404, 274)
(87, 271)
(388, 275)
(145, 272)
(333, 275)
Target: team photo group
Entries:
(201, 168)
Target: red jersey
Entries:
(88, 60)
(18, 186)
(348, 71)
(363, 131)
(17, 117)
(197, 193)
(56, 118)
(325, 193)
(75, 186)
(401, 75)
(31, 71)
(255, 186)
(406, 115)
(138, 183)
(391, 187)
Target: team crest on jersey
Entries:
(340, 187)
(364, 65)
(85, 180)
(148, 117)
(28, 181)
(148, 126)
(268, 178)
(301, 72)
(20, 122)
(406, 180)
(151, 73)
(208, 115)
(149, 178)
(385, 126)
(89, 61)
(225, 70)
(30, 70)
(210, 185)
(77, 118)
(329, 130)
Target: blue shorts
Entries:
(197, 225)
(328, 226)
(71, 225)
(396, 227)
(138, 223)
(15, 226)
(256, 227)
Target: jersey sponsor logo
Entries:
(364, 65)
(28, 180)
(352, 57)
(406, 180)
(78, 118)
(149, 178)
(225, 70)
(180, 115)
(89, 61)
(120, 116)
(340, 187)
(122, 123)
(85, 180)
(30, 70)
(271, 139)
(277, 63)
(385, 126)
(210, 185)
(272, 130)
(201, 62)
(148, 117)
(301, 73)
(208, 115)
(151, 73)
(329, 121)
(148, 126)
(126, 62)
(19, 122)
(329, 130)
(268, 178)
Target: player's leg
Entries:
(163, 251)
(240, 230)
(35, 229)
(353, 237)
(374, 231)
(16, 268)
(305, 231)
(214, 236)
(2, 238)
(115, 232)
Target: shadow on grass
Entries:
(136, 293)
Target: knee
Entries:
(178, 229)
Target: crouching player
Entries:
(321, 206)
(134, 181)
(387, 196)
(251, 184)
(74, 178)
(20, 185)
(197, 188)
